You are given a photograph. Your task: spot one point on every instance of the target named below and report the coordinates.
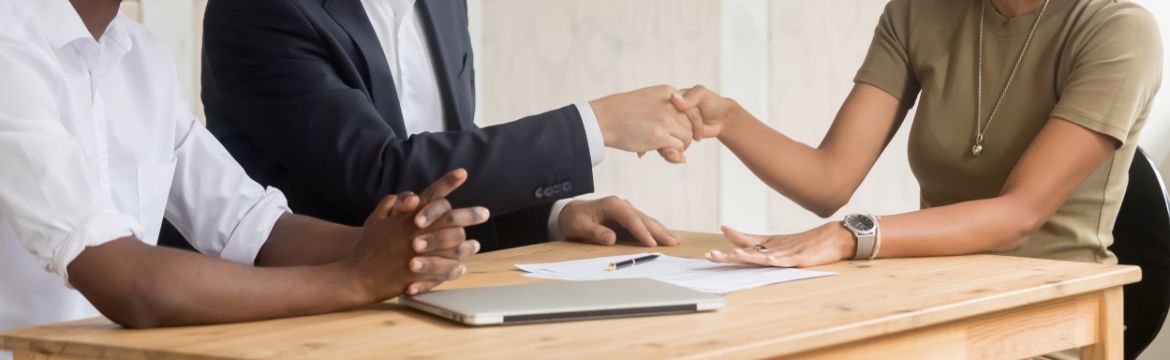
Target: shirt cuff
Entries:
(253, 230)
(592, 133)
(97, 229)
(554, 216)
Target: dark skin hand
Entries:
(140, 286)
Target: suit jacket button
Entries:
(567, 186)
(537, 193)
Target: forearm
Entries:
(970, 227)
(302, 240)
(139, 285)
(797, 171)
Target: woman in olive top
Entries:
(1028, 118)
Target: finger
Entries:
(461, 218)
(641, 154)
(659, 231)
(446, 238)
(672, 155)
(407, 203)
(741, 239)
(682, 103)
(721, 257)
(681, 130)
(692, 112)
(422, 286)
(629, 219)
(444, 185)
(433, 210)
(750, 257)
(433, 267)
(460, 251)
(596, 234)
(385, 206)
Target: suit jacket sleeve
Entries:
(280, 80)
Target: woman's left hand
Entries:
(825, 244)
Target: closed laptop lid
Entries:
(560, 301)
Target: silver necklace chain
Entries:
(980, 128)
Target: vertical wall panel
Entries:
(539, 55)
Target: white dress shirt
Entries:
(404, 42)
(97, 142)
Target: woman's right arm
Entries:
(820, 179)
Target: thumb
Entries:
(681, 103)
(741, 239)
(691, 110)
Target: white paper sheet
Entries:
(701, 275)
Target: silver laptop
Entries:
(562, 301)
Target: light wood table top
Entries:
(997, 300)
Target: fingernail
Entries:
(420, 245)
(740, 252)
(422, 220)
(476, 244)
(416, 265)
(716, 253)
(462, 270)
(412, 290)
(482, 213)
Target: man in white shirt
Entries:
(339, 102)
(97, 145)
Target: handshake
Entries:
(661, 118)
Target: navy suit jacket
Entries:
(299, 91)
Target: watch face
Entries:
(859, 222)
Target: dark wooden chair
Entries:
(1142, 237)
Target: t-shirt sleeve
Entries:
(887, 65)
(1116, 73)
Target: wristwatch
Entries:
(864, 228)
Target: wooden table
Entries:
(982, 307)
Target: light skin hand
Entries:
(594, 221)
(644, 120)
(826, 244)
(707, 111)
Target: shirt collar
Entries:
(60, 23)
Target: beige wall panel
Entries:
(539, 54)
(816, 48)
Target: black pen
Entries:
(631, 262)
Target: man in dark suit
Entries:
(340, 102)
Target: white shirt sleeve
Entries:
(48, 193)
(592, 133)
(214, 203)
(596, 155)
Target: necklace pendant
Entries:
(977, 150)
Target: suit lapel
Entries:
(440, 22)
(352, 17)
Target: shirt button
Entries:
(537, 193)
(567, 186)
(548, 191)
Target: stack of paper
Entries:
(701, 275)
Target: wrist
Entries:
(733, 122)
(602, 112)
(846, 241)
(348, 283)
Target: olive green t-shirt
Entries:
(1094, 63)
